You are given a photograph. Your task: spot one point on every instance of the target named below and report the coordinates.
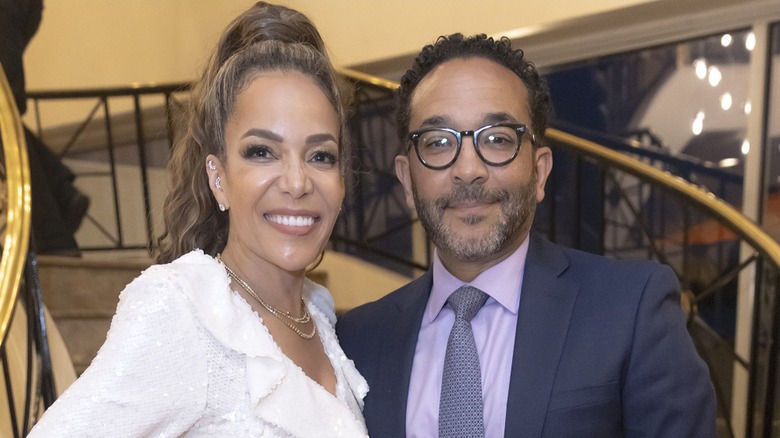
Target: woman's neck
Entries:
(277, 287)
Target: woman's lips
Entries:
(292, 221)
(295, 224)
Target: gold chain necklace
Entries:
(285, 317)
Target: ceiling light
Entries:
(728, 162)
(725, 101)
(700, 67)
(714, 76)
(698, 123)
(750, 41)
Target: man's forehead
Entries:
(469, 90)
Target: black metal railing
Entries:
(145, 126)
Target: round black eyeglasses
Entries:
(496, 145)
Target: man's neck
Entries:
(468, 270)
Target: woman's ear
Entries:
(215, 170)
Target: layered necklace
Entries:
(283, 316)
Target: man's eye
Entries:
(437, 143)
(497, 139)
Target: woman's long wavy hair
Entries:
(264, 38)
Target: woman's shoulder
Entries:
(190, 268)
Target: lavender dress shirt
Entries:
(494, 332)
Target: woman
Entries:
(231, 339)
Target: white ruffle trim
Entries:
(233, 322)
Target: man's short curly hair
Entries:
(458, 46)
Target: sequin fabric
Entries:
(187, 356)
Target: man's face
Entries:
(473, 212)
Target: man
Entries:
(567, 344)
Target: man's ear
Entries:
(543, 162)
(403, 172)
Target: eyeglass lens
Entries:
(495, 144)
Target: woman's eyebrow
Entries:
(263, 133)
(320, 138)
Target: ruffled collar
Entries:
(275, 383)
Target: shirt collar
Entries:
(501, 282)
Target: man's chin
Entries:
(463, 235)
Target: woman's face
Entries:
(281, 179)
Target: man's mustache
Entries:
(470, 193)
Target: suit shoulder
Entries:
(377, 313)
(584, 263)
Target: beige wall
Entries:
(88, 43)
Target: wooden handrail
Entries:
(369, 79)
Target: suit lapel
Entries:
(546, 306)
(398, 350)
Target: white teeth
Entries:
(292, 221)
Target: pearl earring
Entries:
(218, 182)
(222, 207)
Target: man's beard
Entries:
(517, 212)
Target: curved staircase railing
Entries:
(20, 298)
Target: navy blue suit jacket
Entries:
(601, 350)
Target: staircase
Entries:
(81, 295)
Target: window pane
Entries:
(771, 220)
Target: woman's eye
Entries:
(324, 157)
(258, 151)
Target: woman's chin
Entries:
(300, 263)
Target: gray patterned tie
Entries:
(460, 406)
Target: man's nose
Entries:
(468, 168)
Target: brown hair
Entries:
(264, 38)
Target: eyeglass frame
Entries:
(520, 128)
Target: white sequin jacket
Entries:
(187, 356)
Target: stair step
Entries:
(81, 295)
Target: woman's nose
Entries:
(296, 180)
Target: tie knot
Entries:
(466, 302)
